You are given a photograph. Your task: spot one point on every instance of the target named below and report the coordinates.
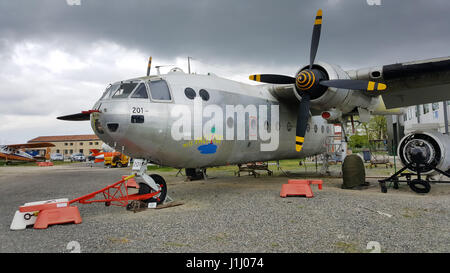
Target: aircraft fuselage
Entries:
(226, 123)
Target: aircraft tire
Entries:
(144, 189)
(423, 188)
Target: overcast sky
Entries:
(56, 59)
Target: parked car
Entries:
(56, 156)
(77, 157)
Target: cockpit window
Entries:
(141, 92)
(124, 90)
(108, 91)
(159, 90)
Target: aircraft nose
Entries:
(111, 123)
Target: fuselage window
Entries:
(204, 94)
(141, 92)
(159, 90)
(190, 93)
(124, 90)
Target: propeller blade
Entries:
(76, 117)
(302, 122)
(315, 38)
(149, 65)
(355, 85)
(272, 78)
(84, 115)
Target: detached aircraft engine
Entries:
(425, 147)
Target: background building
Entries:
(430, 113)
(432, 116)
(71, 144)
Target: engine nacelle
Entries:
(428, 147)
(343, 100)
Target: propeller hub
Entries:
(305, 80)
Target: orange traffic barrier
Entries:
(53, 213)
(299, 188)
(44, 164)
(57, 216)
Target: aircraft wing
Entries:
(30, 145)
(410, 83)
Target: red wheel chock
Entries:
(299, 188)
(59, 211)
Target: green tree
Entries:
(377, 127)
(358, 141)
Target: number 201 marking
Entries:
(137, 110)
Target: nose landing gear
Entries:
(152, 183)
(144, 188)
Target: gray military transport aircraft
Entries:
(196, 121)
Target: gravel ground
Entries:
(227, 214)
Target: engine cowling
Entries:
(428, 147)
(324, 98)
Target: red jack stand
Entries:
(299, 188)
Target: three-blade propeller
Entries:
(149, 66)
(311, 80)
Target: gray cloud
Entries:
(56, 58)
(251, 31)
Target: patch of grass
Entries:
(348, 247)
(17, 164)
(410, 213)
(274, 245)
(160, 168)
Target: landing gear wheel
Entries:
(419, 186)
(395, 185)
(195, 174)
(144, 189)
